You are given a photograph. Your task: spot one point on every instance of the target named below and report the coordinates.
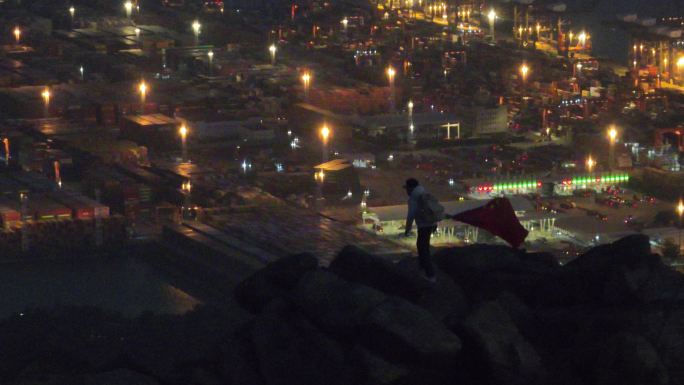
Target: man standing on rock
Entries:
(426, 211)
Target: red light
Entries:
(598, 179)
(539, 183)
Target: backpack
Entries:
(429, 209)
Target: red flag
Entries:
(497, 217)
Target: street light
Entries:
(325, 134)
(17, 34)
(46, 99)
(273, 49)
(137, 32)
(142, 88)
(306, 81)
(46, 95)
(410, 107)
(524, 69)
(183, 131)
(128, 6)
(82, 71)
(345, 22)
(210, 55)
(538, 30)
(612, 136)
(590, 163)
(680, 64)
(196, 28)
(390, 77)
(582, 38)
(492, 18)
(72, 12)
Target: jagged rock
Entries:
(498, 343)
(444, 299)
(291, 350)
(114, 377)
(470, 266)
(629, 359)
(273, 281)
(405, 332)
(356, 265)
(631, 252)
(661, 325)
(622, 284)
(335, 305)
(238, 362)
(378, 371)
(539, 259)
(403, 279)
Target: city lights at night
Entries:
(375, 192)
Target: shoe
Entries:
(432, 279)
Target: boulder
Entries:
(356, 265)
(470, 265)
(273, 281)
(115, 377)
(237, 362)
(444, 298)
(404, 332)
(541, 259)
(498, 344)
(378, 371)
(403, 279)
(333, 304)
(291, 350)
(629, 359)
(631, 252)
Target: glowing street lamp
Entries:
(492, 18)
(82, 71)
(46, 95)
(17, 34)
(272, 49)
(410, 107)
(590, 163)
(196, 28)
(210, 55)
(582, 38)
(345, 22)
(46, 100)
(612, 136)
(524, 70)
(183, 131)
(390, 77)
(325, 135)
(538, 30)
(142, 88)
(680, 64)
(72, 12)
(128, 6)
(306, 81)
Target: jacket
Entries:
(414, 203)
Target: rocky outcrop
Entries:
(615, 315)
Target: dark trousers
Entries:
(423, 244)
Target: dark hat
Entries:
(411, 183)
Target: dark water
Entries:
(609, 42)
(125, 285)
